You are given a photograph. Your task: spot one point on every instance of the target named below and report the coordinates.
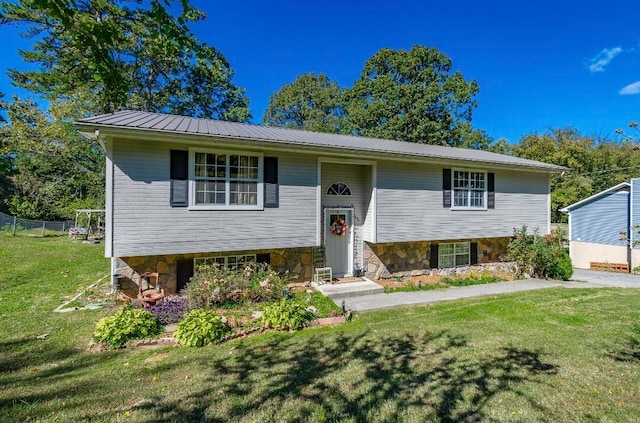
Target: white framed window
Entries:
(338, 188)
(225, 179)
(230, 262)
(454, 254)
(469, 189)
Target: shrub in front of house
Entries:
(199, 328)
(126, 325)
(561, 267)
(539, 256)
(286, 315)
(214, 285)
(171, 309)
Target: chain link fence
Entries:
(18, 226)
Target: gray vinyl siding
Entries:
(602, 220)
(145, 224)
(357, 177)
(409, 204)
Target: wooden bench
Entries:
(609, 267)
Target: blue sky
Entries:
(539, 65)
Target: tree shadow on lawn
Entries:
(630, 352)
(61, 379)
(17, 354)
(368, 377)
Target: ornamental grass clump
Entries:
(126, 325)
(199, 328)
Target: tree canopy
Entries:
(125, 55)
(91, 57)
(310, 102)
(53, 168)
(403, 95)
(596, 163)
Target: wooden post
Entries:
(44, 222)
(14, 226)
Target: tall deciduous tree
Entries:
(5, 159)
(310, 102)
(125, 54)
(403, 95)
(56, 169)
(596, 164)
(414, 96)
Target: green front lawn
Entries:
(550, 355)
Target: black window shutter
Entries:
(491, 190)
(271, 191)
(473, 252)
(446, 188)
(263, 258)
(179, 177)
(433, 257)
(184, 273)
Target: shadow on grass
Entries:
(368, 377)
(630, 351)
(25, 352)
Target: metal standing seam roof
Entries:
(159, 122)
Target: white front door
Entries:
(338, 240)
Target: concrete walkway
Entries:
(582, 279)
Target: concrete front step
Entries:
(350, 289)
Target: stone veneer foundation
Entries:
(382, 261)
(297, 261)
(392, 260)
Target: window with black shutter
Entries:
(446, 188)
(271, 189)
(179, 178)
(433, 256)
(491, 190)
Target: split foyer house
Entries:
(182, 191)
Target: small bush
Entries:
(171, 310)
(127, 324)
(199, 328)
(325, 305)
(561, 266)
(286, 315)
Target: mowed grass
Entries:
(557, 355)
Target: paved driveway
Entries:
(620, 280)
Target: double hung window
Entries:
(469, 189)
(223, 179)
(454, 254)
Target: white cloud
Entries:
(631, 89)
(603, 58)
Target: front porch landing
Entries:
(350, 289)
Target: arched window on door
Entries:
(338, 188)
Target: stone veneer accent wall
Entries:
(391, 260)
(297, 261)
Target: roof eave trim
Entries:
(88, 129)
(573, 206)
